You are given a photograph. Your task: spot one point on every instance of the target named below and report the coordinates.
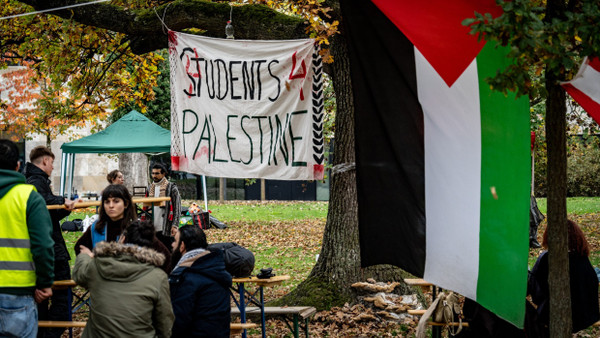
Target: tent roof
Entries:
(133, 133)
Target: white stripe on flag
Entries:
(587, 81)
(452, 177)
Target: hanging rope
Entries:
(162, 20)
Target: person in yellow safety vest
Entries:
(37, 173)
(26, 248)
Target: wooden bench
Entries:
(297, 313)
(425, 285)
(235, 328)
(238, 328)
(60, 323)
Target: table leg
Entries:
(262, 312)
(70, 302)
(242, 306)
(296, 326)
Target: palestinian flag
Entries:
(443, 166)
(585, 87)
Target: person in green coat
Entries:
(129, 291)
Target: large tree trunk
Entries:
(134, 167)
(558, 259)
(339, 262)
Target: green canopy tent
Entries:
(132, 133)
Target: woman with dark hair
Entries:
(583, 281)
(117, 211)
(115, 177)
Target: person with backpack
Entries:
(199, 287)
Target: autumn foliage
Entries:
(69, 75)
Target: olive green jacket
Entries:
(129, 291)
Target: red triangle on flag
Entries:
(434, 27)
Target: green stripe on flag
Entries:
(505, 168)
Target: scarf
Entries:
(190, 255)
(163, 187)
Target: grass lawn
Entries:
(283, 235)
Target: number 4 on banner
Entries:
(299, 74)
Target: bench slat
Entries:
(416, 312)
(60, 323)
(417, 282)
(241, 326)
(237, 328)
(60, 284)
(302, 311)
(234, 327)
(464, 324)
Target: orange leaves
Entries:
(80, 71)
(321, 25)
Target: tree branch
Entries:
(144, 28)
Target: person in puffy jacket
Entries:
(199, 287)
(129, 291)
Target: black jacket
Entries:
(200, 297)
(38, 178)
(584, 291)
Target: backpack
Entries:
(239, 261)
(74, 225)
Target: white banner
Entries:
(246, 109)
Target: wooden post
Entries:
(262, 189)
(222, 183)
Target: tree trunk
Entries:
(558, 259)
(339, 262)
(134, 167)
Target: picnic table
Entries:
(145, 201)
(239, 294)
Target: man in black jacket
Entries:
(38, 172)
(199, 287)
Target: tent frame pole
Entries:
(204, 192)
(63, 172)
(71, 172)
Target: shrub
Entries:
(583, 165)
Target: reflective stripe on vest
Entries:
(16, 262)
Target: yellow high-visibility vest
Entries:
(16, 262)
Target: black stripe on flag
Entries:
(389, 140)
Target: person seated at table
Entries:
(199, 287)
(115, 177)
(583, 282)
(116, 212)
(129, 292)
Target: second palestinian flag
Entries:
(443, 167)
